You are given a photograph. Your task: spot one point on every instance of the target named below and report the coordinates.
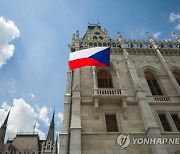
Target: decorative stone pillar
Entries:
(75, 128)
(96, 103)
(64, 134)
(149, 121)
(94, 80)
(163, 62)
(176, 36)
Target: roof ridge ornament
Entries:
(176, 36)
(94, 24)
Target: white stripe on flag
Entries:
(85, 53)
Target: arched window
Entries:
(100, 37)
(48, 147)
(104, 79)
(177, 76)
(104, 44)
(95, 38)
(90, 44)
(153, 84)
(177, 152)
(99, 44)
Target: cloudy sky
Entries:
(34, 38)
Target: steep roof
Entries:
(23, 142)
(50, 135)
(3, 129)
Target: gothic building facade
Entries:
(138, 96)
(28, 143)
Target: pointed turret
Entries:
(50, 135)
(3, 129)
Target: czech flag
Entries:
(97, 56)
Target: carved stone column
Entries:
(149, 121)
(75, 124)
(166, 67)
(75, 128)
(64, 134)
(94, 80)
(96, 103)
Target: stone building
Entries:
(28, 143)
(138, 96)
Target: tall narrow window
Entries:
(104, 79)
(164, 122)
(176, 121)
(49, 146)
(177, 76)
(153, 84)
(111, 123)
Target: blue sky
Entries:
(36, 73)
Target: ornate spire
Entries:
(120, 40)
(176, 36)
(50, 135)
(152, 42)
(3, 129)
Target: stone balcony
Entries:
(165, 99)
(109, 95)
(162, 98)
(109, 91)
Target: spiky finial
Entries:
(6, 120)
(3, 129)
(176, 36)
(50, 135)
(148, 35)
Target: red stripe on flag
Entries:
(84, 62)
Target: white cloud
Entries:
(6, 106)
(59, 118)
(3, 114)
(167, 40)
(178, 27)
(8, 32)
(141, 32)
(21, 118)
(43, 115)
(156, 35)
(32, 95)
(173, 17)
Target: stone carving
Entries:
(95, 36)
